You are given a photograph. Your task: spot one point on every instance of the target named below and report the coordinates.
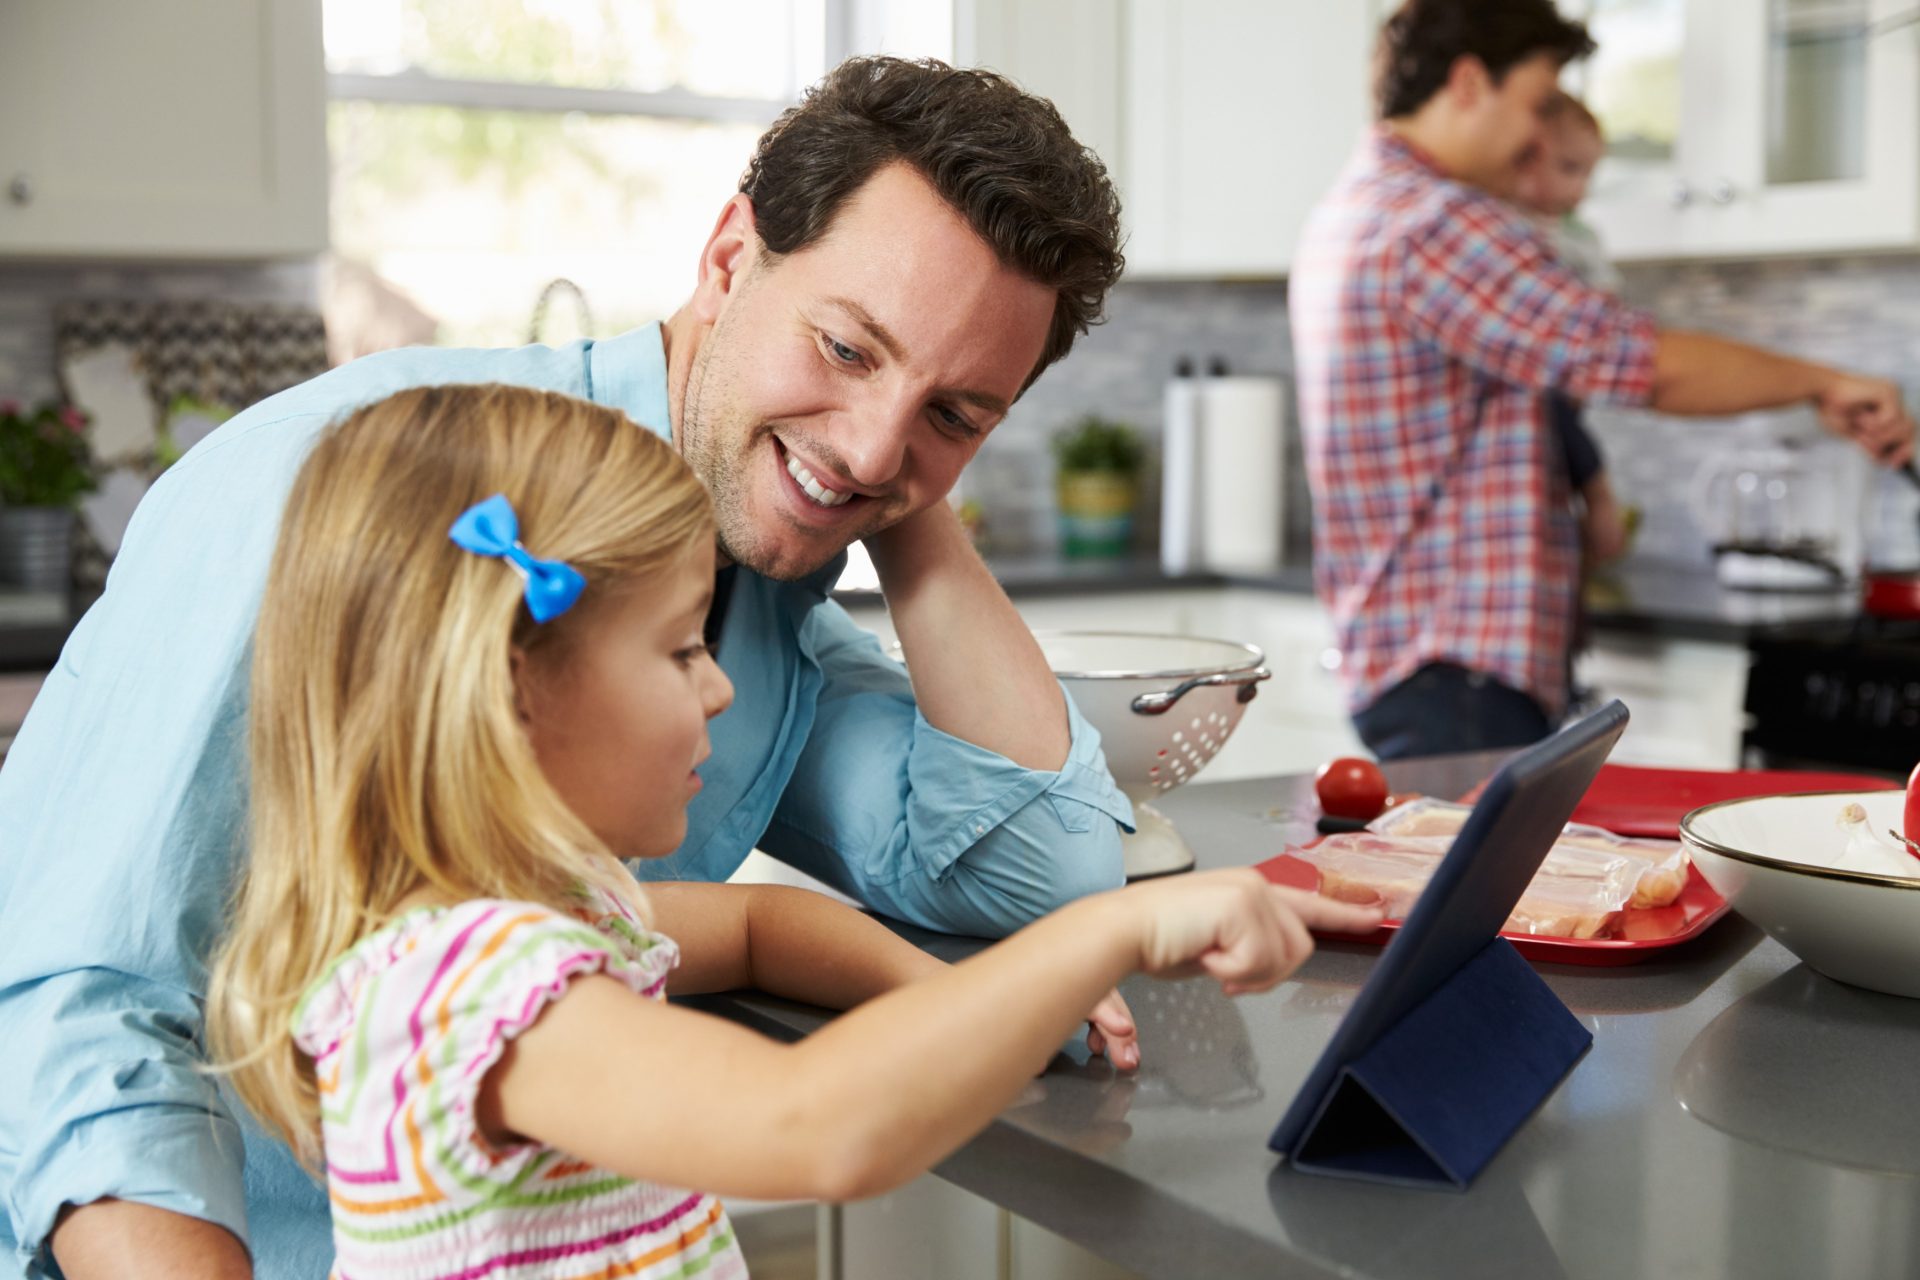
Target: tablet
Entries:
(1474, 889)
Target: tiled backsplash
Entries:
(1863, 313)
(28, 292)
(1857, 313)
(1120, 371)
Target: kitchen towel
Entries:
(1223, 467)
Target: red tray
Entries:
(1644, 931)
(1632, 801)
(1635, 801)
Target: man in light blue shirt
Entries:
(910, 248)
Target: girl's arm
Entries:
(784, 941)
(805, 946)
(881, 1094)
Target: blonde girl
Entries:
(479, 682)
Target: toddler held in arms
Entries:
(479, 682)
(1551, 188)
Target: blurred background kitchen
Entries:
(204, 201)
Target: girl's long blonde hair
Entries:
(386, 752)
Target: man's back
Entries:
(1427, 317)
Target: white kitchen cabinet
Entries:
(1239, 114)
(1687, 698)
(1222, 121)
(162, 130)
(1740, 128)
(1067, 51)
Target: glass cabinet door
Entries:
(1823, 148)
(1637, 83)
(1818, 76)
(1633, 81)
(1750, 127)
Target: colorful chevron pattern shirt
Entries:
(402, 1031)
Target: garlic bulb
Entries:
(1869, 851)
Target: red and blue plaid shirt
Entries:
(1428, 318)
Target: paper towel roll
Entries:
(1241, 471)
(1180, 549)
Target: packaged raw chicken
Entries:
(1586, 880)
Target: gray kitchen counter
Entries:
(1682, 603)
(1738, 1115)
(1654, 600)
(1651, 599)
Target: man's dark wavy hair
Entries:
(1420, 43)
(1003, 158)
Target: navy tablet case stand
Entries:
(1455, 1041)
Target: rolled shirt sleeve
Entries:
(115, 1104)
(1479, 284)
(930, 828)
(125, 792)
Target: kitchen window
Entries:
(485, 153)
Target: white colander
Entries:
(1164, 706)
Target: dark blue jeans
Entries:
(1443, 708)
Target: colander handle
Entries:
(1153, 704)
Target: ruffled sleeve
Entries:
(405, 1028)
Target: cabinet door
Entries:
(1658, 101)
(1238, 116)
(1823, 151)
(162, 129)
(1067, 51)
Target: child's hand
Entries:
(1112, 1032)
(1235, 927)
(1603, 529)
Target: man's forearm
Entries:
(977, 672)
(1698, 374)
(805, 946)
(122, 1240)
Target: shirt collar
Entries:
(630, 373)
(1391, 149)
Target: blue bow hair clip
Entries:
(491, 528)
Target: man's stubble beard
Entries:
(704, 432)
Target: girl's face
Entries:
(617, 714)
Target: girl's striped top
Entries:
(402, 1030)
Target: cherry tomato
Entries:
(1911, 827)
(1350, 787)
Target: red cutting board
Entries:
(1634, 801)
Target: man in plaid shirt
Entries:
(1428, 321)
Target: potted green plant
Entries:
(45, 469)
(1098, 484)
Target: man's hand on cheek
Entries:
(918, 545)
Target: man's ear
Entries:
(731, 249)
(1468, 81)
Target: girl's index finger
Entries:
(1326, 914)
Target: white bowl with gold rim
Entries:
(1774, 858)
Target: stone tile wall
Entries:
(29, 290)
(1860, 312)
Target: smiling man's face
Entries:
(843, 387)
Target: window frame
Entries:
(843, 20)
